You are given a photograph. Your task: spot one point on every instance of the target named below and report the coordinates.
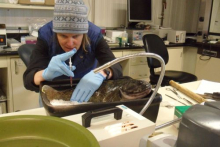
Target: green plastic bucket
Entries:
(43, 131)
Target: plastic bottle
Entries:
(124, 38)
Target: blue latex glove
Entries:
(58, 67)
(87, 86)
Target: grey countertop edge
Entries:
(115, 47)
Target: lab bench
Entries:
(165, 113)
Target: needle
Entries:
(70, 65)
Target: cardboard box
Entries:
(37, 2)
(50, 2)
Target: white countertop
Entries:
(166, 114)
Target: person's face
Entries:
(69, 41)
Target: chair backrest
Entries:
(154, 44)
(25, 51)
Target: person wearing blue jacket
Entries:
(70, 35)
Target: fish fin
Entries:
(45, 88)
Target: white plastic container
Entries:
(113, 34)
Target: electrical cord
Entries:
(203, 57)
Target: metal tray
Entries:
(61, 111)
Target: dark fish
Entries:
(110, 91)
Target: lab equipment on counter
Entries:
(34, 24)
(124, 38)
(13, 43)
(135, 36)
(176, 36)
(214, 95)
(187, 92)
(176, 99)
(163, 32)
(3, 37)
(162, 140)
(213, 104)
(176, 93)
(179, 111)
(30, 40)
(113, 34)
(200, 126)
(125, 132)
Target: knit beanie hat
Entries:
(70, 16)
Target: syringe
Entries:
(70, 65)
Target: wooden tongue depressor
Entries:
(187, 92)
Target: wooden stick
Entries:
(187, 92)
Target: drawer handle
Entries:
(16, 67)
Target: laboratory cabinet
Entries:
(175, 59)
(3, 82)
(11, 74)
(207, 68)
(136, 67)
(22, 99)
(180, 58)
(3, 62)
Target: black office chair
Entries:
(24, 51)
(154, 44)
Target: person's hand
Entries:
(87, 86)
(58, 67)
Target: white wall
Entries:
(185, 14)
(108, 13)
(113, 13)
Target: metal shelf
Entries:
(19, 6)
